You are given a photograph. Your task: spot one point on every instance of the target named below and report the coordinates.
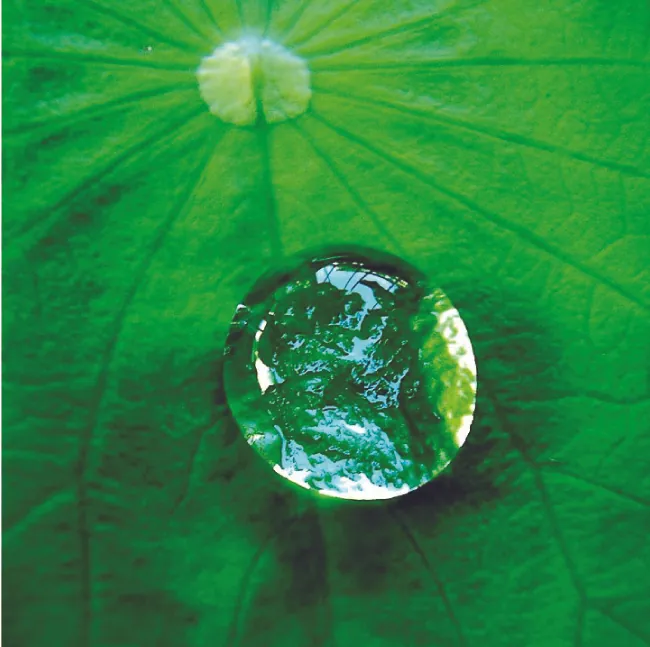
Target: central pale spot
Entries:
(254, 79)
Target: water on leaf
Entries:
(351, 375)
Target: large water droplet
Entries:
(351, 376)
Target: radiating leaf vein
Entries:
(284, 36)
(634, 631)
(551, 517)
(404, 27)
(270, 205)
(86, 57)
(231, 638)
(523, 233)
(184, 19)
(486, 131)
(209, 13)
(410, 536)
(130, 22)
(328, 20)
(356, 197)
(554, 467)
(430, 65)
(12, 528)
(168, 132)
(99, 109)
(85, 441)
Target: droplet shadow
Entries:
(284, 588)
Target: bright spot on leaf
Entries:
(254, 79)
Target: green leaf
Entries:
(501, 146)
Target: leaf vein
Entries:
(99, 109)
(410, 535)
(270, 205)
(130, 22)
(210, 15)
(489, 132)
(233, 630)
(546, 502)
(284, 35)
(632, 630)
(89, 431)
(97, 60)
(442, 63)
(403, 28)
(328, 20)
(555, 467)
(160, 135)
(191, 464)
(184, 19)
(53, 501)
(240, 12)
(518, 230)
(361, 203)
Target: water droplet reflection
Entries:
(351, 376)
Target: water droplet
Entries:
(351, 376)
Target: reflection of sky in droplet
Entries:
(327, 475)
(350, 280)
(265, 376)
(347, 280)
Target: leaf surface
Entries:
(501, 146)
